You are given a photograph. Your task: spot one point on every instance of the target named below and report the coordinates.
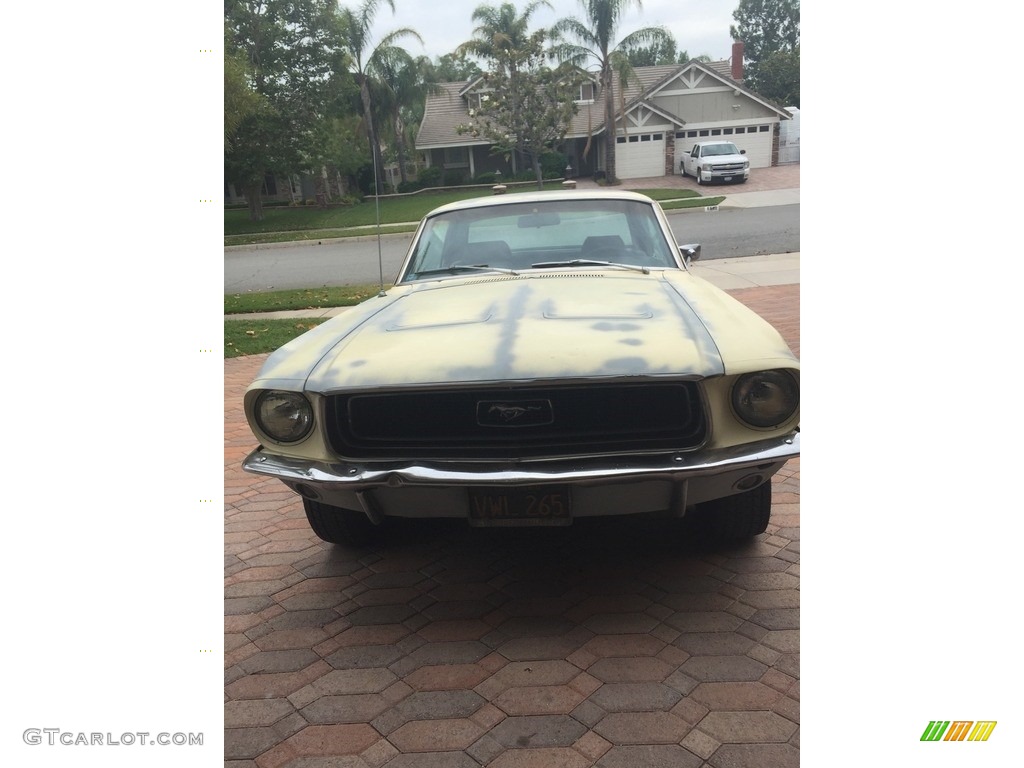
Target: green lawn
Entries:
(254, 337)
(306, 298)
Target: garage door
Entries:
(640, 155)
(755, 139)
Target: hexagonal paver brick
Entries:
(436, 735)
(649, 756)
(538, 731)
(642, 728)
(631, 670)
(538, 700)
(635, 697)
(747, 727)
(540, 758)
(355, 708)
(735, 696)
(755, 756)
(723, 668)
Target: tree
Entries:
(777, 77)
(451, 68)
(525, 106)
(287, 53)
(501, 35)
(767, 29)
(595, 35)
(240, 100)
(663, 52)
(368, 63)
(402, 100)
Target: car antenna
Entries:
(376, 202)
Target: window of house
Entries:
(456, 157)
(704, 132)
(741, 130)
(269, 185)
(716, 132)
(587, 92)
(620, 139)
(762, 128)
(645, 137)
(659, 136)
(727, 131)
(634, 139)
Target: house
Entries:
(660, 114)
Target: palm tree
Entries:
(500, 32)
(402, 100)
(367, 64)
(501, 35)
(595, 35)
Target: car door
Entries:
(691, 160)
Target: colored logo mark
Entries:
(958, 730)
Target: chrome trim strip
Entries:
(677, 467)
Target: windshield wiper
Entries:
(457, 268)
(590, 263)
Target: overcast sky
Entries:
(699, 26)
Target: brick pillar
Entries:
(670, 153)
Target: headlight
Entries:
(284, 416)
(766, 398)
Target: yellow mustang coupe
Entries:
(541, 357)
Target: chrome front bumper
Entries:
(425, 489)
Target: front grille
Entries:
(511, 423)
(728, 167)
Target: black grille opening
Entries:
(526, 422)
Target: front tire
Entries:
(697, 176)
(741, 516)
(336, 525)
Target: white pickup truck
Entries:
(715, 161)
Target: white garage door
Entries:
(755, 139)
(640, 155)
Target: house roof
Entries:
(448, 108)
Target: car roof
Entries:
(541, 197)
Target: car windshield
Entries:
(720, 149)
(541, 235)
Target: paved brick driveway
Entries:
(614, 645)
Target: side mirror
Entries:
(743, 151)
(690, 252)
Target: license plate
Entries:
(543, 505)
(727, 178)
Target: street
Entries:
(725, 233)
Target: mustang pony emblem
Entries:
(527, 413)
(512, 412)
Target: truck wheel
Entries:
(697, 176)
(340, 526)
(741, 516)
(682, 170)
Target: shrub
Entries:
(454, 179)
(429, 177)
(552, 165)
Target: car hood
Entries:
(724, 159)
(550, 325)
